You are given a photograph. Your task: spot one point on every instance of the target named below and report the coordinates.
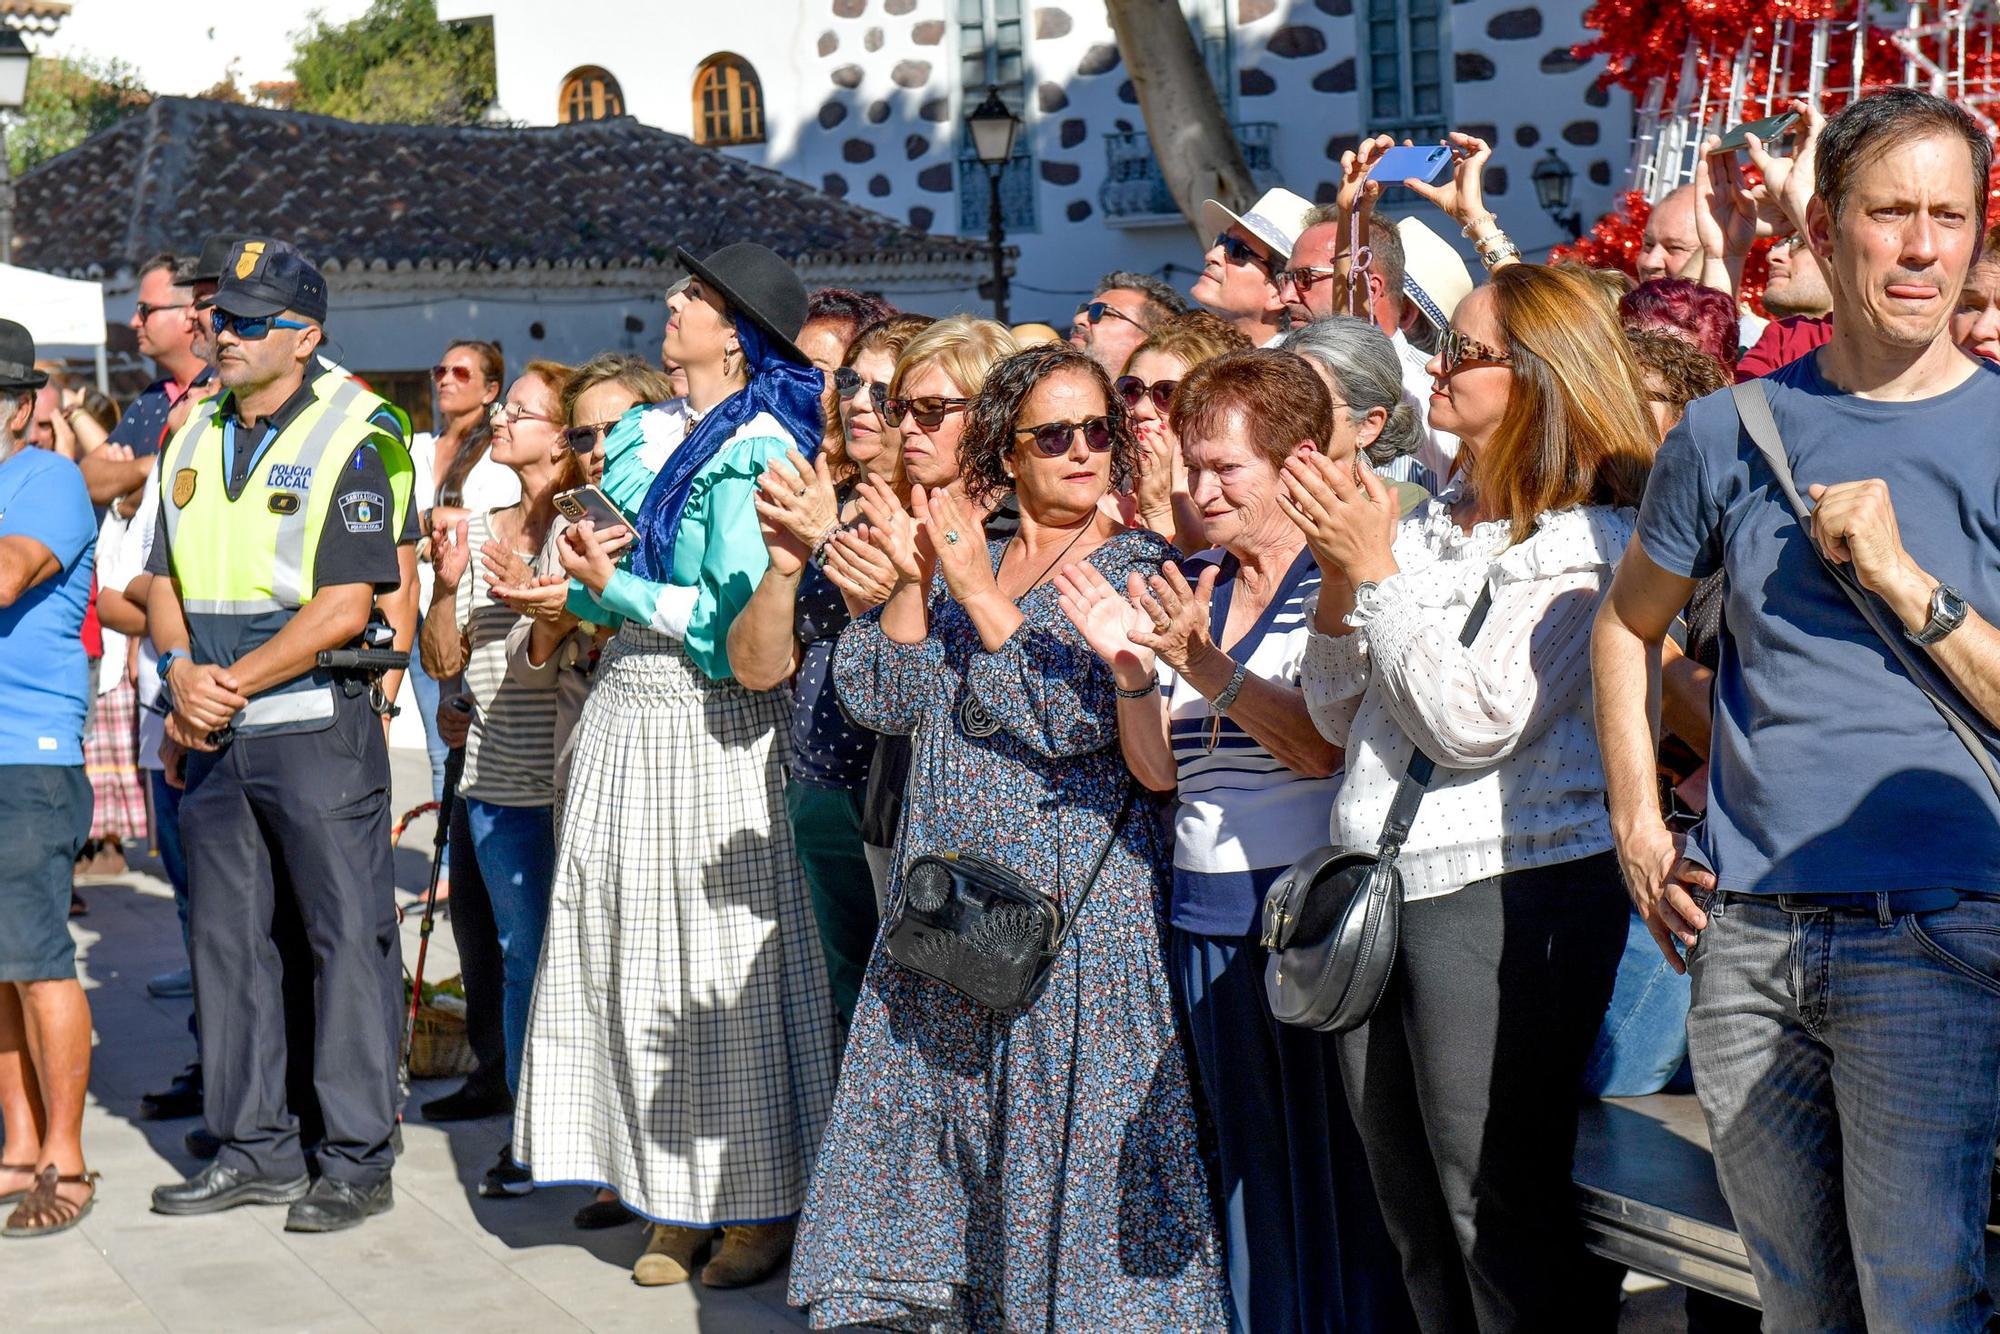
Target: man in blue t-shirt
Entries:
(47, 535)
(1841, 904)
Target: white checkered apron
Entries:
(682, 1048)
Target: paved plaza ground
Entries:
(442, 1260)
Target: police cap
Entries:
(214, 257)
(265, 277)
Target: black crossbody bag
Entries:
(984, 929)
(1333, 921)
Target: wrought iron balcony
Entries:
(1134, 192)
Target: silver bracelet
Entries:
(1220, 704)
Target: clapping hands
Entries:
(1347, 513)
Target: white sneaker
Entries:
(172, 986)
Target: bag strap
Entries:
(1410, 792)
(1755, 411)
(1103, 854)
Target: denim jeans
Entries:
(516, 850)
(1643, 1045)
(1850, 1071)
(428, 695)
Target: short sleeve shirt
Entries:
(143, 426)
(44, 678)
(1829, 771)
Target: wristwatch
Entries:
(167, 660)
(1948, 612)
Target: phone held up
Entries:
(587, 502)
(1400, 164)
(1768, 131)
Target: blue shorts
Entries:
(44, 820)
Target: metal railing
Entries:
(1135, 192)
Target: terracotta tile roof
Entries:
(604, 195)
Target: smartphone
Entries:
(1768, 132)
(1399, 164)
(587, 502)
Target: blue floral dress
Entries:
(982, 1172)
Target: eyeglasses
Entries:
(462, 374)
(146, 309)
(250, 327)
(1456, 350)
(929, 412)
(583, 439)
(513, 414)
(1239, 251)
(1306, 275)
(1132, 389)
(1097, 310)
(1051, 439)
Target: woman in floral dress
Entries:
(983, 1171)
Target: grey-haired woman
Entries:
(1371, 412)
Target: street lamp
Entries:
(14, 62)
(1552, 177)
(993, 129)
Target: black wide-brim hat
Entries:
(759, 286)
(17, 360)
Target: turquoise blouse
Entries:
(720, 554)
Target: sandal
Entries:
(44, 1213)
(13, 1195)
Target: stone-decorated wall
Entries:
(861, 101)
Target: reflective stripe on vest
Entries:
(254, 554)
(363, 403)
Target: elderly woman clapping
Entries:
(1225, 722)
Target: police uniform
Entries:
(290, 813)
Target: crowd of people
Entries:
(875, 743)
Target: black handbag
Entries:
(981, 928)
(1332, 922)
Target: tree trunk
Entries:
(1196, 149)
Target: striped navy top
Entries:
(1243, 817)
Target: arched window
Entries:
(728, 102)
(589, 93)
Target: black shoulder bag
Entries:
(1332, 922)
(981, 928)
(1755, 411)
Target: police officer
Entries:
(277, 527)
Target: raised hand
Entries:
(894, 531)
(1355, 188)
(1789, 183)
(1463, 197)
(542, 596)
(1347, 513)
(1175, 616)
(957, 537)
(501, 565)
(451, 552)
(1725, 215)
(798, 497)
(858, 567)
(1107, 621)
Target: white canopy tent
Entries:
(57, 311)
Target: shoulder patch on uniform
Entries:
(284, 502)
(183, 487)
(363, 512)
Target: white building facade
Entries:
(865, 99)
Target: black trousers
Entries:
(477, 937)
(1465, 1086)
(276, 826)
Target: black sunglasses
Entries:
(1132, 389)
(1051, 439)
(1097, 310)
(1239, 251)
(929, 412)
(583, 439)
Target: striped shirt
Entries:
(1242, 816)
(510, 753)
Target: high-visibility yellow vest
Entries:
(362, 403)
(254, 554)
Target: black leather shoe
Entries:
(203, 1143)
(178, 1099)
(468, 1104)
(218, 1187)
(331, 1206)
